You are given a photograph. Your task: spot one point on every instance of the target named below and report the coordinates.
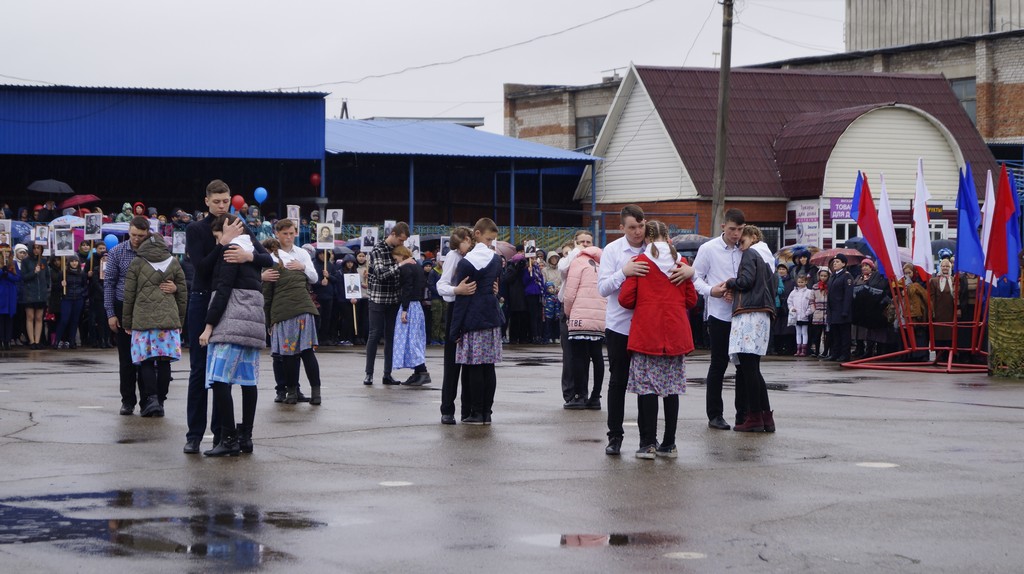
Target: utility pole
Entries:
(721, 137)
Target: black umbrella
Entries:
(50, 186)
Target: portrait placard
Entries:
(64, 241)
(352, 288)
(178, 243)
(368, 238)
(324, 236)
(93, 226)
(335, 218)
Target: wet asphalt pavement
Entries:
(869, 471)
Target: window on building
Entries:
(772, 237)
(843, 230)
(966, 91)
(903, 235)
(938, 229)
(587, 130)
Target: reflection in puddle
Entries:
(599, 540)
(197, 526)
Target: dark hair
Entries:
(217, 186)
(222, 220)
(140, 222)
(283, 224)
(400, 228)
(631, 210)
(734, 216)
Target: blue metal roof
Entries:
(425, 138)
(139, 122)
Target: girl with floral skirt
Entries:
(235, 332)
(659, 339)
(410, 326)
(476, 322)
(154, 319)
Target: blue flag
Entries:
(1013, 245)
(855, 208)
(969, 255)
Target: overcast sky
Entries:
(330, 45)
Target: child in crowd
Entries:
(585, 310)
(154, 319)
(73, 289)
(35, 291)
(476, 322)
(659, 339)
(819, 317)
(410, 345)
(235, 332)
(801, 310)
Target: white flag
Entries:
(888, 230)
(922, 246)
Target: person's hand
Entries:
(681, 273)
(635, 268)
(169, 287)
(324, 282)
(63, 283)
(113, 323)
(405, 316)
(204, 337)
(295, 266)
(496, 286)
(353, 301)
(719, 291)
(270, 275)
(89, 274)
(231, 231)
(728, 296)
(235, 254)
(465, 287)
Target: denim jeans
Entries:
(382, 325)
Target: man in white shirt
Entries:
(715, 263)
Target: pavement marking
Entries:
(877, 464)
(629, 424)
(395, 483)
(686, 555)
(90, 407)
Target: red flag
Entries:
(996, 256)
(871, 230)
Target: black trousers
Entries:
(482, 383)
(382, 326)
(156, 379)
(535, 316)
(840, 345)
(755, 391)
(223, 403)
(452, 370)
(128, 372)
(718, 335)
(647, 419)
(618, 376)
(568, 387)
(325, 327)
(583, 354)
(195, 407)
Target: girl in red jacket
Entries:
(659, 340)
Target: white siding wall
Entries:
(640, 163)
(889, 141)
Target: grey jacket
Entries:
(242, 322)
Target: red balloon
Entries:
(314, 180)
(237, 201)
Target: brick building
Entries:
(567, 117)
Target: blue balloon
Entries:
(260, 195)
(110, 241)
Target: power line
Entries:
(790, 42)
(470, 56)
(798, 12)
(27, 80)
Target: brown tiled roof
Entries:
(783, 124)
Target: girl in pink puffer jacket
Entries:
(585, 311)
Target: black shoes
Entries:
(127, 410)
(718, 423)
(191, 447)
(417, 380)
(314, 398)
(279, 398)
(153, 408)
(614, 446)
(474, 419)
(667, 451)
(290, 397)
(299, 397)
(593, 404)
(576, 403)
(228, 446)
(389, 380)
(245, 439)
(368, 380)
(647, 452)
(447, 419)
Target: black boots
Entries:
(291, 396)
(314, 396)
(245, 439)
(228, 445)
(152, 407)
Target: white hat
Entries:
(20, 247)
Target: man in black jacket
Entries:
(840, 308)
(204, 250)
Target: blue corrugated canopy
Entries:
(142, 122)
(414, 138)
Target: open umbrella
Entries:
(785, 255)
(68, 221)
(50, 186)
(505, 249)
(20, 231)
(76, 200)
(822, 258)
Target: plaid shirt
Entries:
(382, 275)
(118, 260)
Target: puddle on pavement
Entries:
(602, 540)
(107, 524)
